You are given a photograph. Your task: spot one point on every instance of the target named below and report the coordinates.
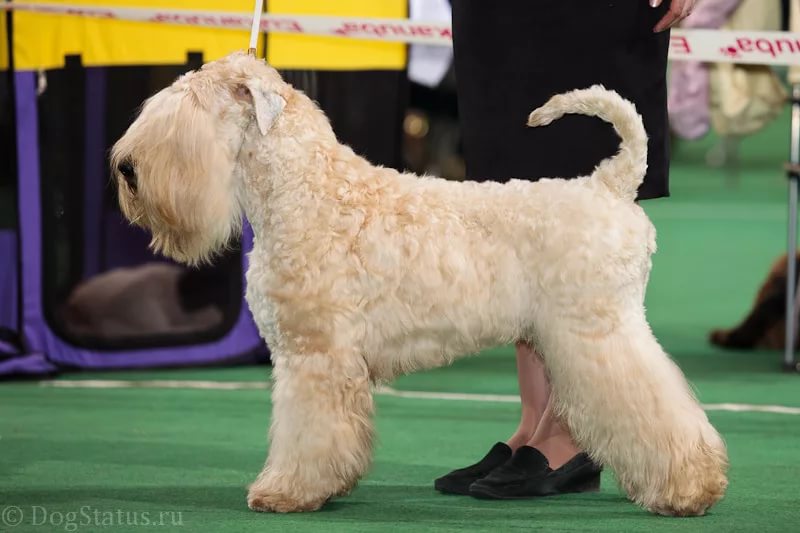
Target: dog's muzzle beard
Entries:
(173, 243)
(188, 246)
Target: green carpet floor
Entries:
(119, 455)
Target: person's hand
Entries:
(678, 10)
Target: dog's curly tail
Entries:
(624, 172)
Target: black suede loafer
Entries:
(528, 475)
(459, 481)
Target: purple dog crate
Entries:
(79, 288)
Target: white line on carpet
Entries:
(383, 391)
(154, 384)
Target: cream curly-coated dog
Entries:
(361, 273)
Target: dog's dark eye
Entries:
(129, 173)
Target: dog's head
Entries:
(175, 166)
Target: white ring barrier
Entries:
(721, 46)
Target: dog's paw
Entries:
(271, 502)
(719, 337)
(346, 490)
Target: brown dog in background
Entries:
(764, 328)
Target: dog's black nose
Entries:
(128, 172)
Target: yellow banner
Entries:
(3, 45)
(41, 41)
(330, 53)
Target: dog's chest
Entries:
(263, 309)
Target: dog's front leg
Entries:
(321, 432)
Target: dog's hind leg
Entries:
(321, 432)
(630, 407)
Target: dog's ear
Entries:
(267, 104)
